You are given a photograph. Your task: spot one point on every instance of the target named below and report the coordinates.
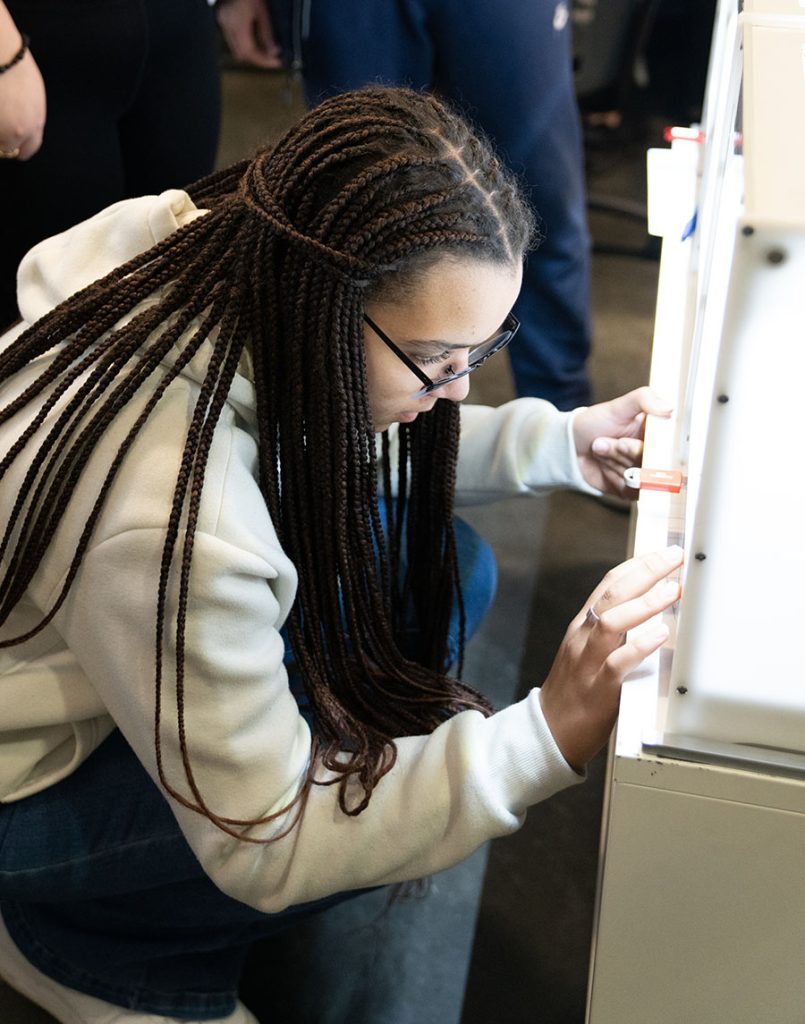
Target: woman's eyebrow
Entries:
(436, 344)
(441, 346)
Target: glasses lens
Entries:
(478, 356)
(488, 348)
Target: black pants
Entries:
(133, 107)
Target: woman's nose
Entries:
(457, 390)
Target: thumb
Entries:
(644, 400)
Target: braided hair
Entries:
(366, 193)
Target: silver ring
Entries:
(592, 616)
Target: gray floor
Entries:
(504, 937)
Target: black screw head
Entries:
(747, 230)
(776, 256)
(723, 399)
(682, 690)
(700, 556)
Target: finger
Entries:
(233, 34)
(262, 52)
(634, 577)
(611, 479)
(622, 451)
(263, 60)
(624, 617)
(267, 44)
(9, 143)
(628, 451)
(30, 146)
(615, 482)
(631, 654)
(239, 34)
(608, 633)
(644, 400)
(652, 566)
(270, 61)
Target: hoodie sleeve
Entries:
(450, 791)
(523, 447)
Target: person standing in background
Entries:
(133, 106)
(509, 68)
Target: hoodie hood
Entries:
(60, 266)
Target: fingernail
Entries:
(600, 446)
(674, 552)
(669, 587)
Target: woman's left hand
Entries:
(609, 438)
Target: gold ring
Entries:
(9, 154)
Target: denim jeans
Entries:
(101, 892)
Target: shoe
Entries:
(71, 1007)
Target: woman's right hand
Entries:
(249, 34)
(581, 695)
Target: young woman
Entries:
(229, 607)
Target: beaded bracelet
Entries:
(18, 55)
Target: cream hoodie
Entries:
(92, 668)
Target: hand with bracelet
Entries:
(22, 94)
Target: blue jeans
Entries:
(508, 65)
(101, 892)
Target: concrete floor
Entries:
(505, 937)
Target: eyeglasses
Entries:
(478, 356)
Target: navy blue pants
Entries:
(100, 890)
(133, 108)
(507, 64)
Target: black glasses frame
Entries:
(510, 327)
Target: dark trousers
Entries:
(133, 108)
(507, 64)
